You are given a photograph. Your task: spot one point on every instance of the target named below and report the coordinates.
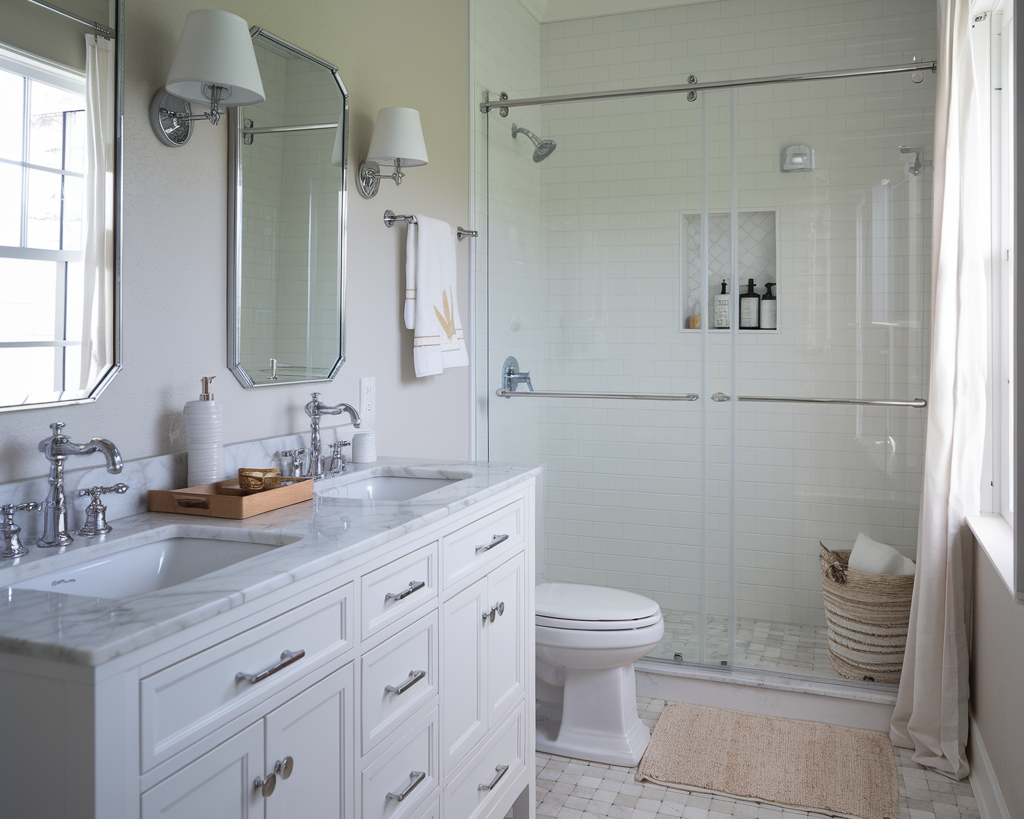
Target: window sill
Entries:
(995, 536)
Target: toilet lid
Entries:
(572, 605)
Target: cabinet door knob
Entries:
(287, 658)
(284, 767)
(495, 540)
(265, 785)
(414, 585)
(415, 777)
(500, 771)
(414, 677)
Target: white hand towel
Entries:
(430, 306)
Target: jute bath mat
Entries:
(809, 765)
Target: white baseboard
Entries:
(983, 779)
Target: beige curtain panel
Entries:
(931, 707)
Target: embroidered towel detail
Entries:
(431, 309)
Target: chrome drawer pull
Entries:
(287, 658)
(414, 585)
(414, 677)
(496, 539)
(415, 777)
(501, 770)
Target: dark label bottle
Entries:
(750, 308)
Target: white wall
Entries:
(174, 240)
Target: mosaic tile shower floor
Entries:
(760, 644)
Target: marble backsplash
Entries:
(143, 474)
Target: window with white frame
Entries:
(42, 165)
(993, 44)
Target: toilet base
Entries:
(596, 720)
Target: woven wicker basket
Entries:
(867, 616)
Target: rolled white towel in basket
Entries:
(871, 557)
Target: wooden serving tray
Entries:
(225, 499)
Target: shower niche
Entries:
(758, 259)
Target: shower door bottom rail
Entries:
(917, 403)
(629, 396)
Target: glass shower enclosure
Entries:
(700, 445)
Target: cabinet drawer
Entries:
(493, 534)
(397, 588)
(398, 676)
(479, 786)
(400, 779)
(185, 701)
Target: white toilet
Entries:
(587, 640)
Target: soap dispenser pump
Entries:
(720, 308)
(750, 308)
(205, 423)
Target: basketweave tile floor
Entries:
(573, 789)
(760, 644)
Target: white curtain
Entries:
(931, 708)
(98, 222)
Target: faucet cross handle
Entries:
(9, 531)
(95, 491)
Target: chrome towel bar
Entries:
(390, 217)
(639, 396)
(918, 403)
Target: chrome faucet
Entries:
(316, 409)
(55, 508)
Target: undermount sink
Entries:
(150, 566)
(389, 487)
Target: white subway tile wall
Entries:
(586, 260)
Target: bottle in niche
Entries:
(720, 308)
(769, 308)
(750, 308)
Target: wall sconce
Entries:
(397, 140)
(797, 158)
(214, 63)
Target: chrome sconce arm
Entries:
(370, 176)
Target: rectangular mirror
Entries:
(286, 271)
(60, 200)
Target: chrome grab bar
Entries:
(918, 403)
(638, 396)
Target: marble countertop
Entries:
(90, 631)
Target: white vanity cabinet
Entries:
(382, 687)
(305, 745)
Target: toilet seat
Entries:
(593, 608)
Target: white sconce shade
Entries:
(398, 134)
(397, 140)
(214, 63)
(215, 49)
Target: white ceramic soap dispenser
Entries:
(205, 422)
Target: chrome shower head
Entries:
(543, 148)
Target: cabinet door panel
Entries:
(463, 681)
(315, 730)
(505, 638)
(218, 785)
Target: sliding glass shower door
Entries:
(699, 445)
